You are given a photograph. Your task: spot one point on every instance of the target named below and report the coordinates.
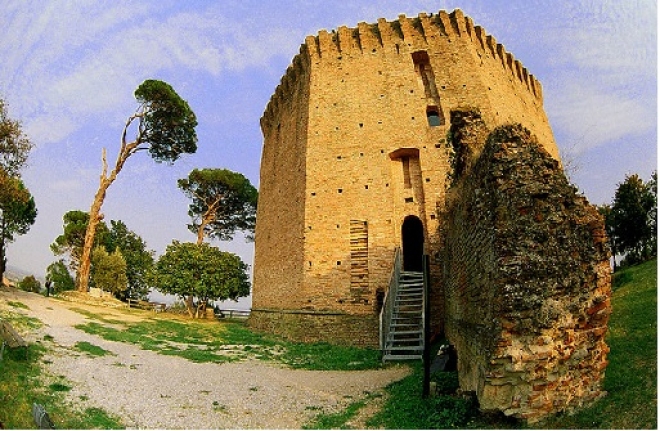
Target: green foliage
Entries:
(406, 409)
(223, 202)
(167, 124)
(202, 271)
(139, 260)
(18, 213)
(59, 387)
(30, 284)
(60, 277)
(335, 420)
(92, 349)
(632, 224)
(109, 271)
(14, 144)
(70, 243)
(446, 382)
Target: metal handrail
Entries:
(390, 296)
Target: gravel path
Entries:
(148, 390)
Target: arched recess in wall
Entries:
(412, 239)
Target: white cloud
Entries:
(592, 116)
(49, 128)
(62, 78)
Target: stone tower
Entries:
(356, 159)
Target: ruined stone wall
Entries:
(348, 141)
(527, 279)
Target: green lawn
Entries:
(204, 341)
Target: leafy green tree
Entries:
(109, 272)
(223, 202)
(30, 284)
(18, 213)
(139, 260)
(70, 243)
(202, 271)
(165, 128)
(14, 145)
(633, 219)
(60, 277)
(606, 211)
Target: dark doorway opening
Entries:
(412, 234)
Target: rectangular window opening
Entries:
(405, 162)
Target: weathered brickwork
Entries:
(309, 326)
(527, 278)
(356, 133)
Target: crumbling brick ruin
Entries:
(379, 138)
(526, 277)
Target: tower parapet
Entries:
(415, 32)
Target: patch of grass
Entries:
(59, 387)
(336, 420)
(96, 316)
(217, 342)
(92, 349)
(22, 384)
(95, 418)
(17, 304)
(20, 322)
(406, 409)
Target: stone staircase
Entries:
(405, 339)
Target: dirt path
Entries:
(148, 390)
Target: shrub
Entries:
(30, 284)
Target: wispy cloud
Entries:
(592, 116)
(63, 78)
(603, 72)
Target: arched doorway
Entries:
(412, 235)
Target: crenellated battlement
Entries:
(403, 35)
(298, 68)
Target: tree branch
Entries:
(104, 171)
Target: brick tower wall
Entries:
(281, 206)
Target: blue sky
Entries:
(69, 69)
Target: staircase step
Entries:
(391, 357)
(409, 344)
(404, 349)
(405, 333)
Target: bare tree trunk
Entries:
(208, 217)
(3, 257)
(95, 218)
(200, 233)
(189, 306)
